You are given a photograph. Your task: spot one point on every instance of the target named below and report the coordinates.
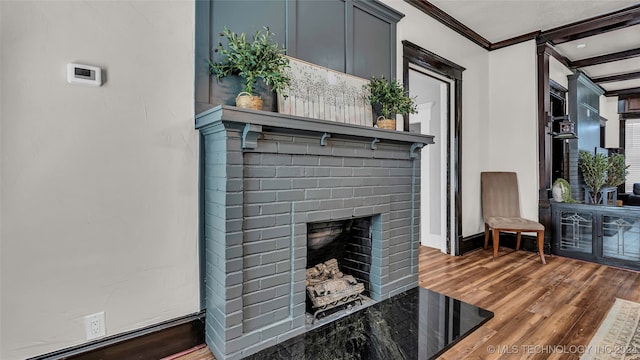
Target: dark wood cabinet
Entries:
(604, 234)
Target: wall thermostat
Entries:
(84, 74)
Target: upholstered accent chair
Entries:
(501, 211)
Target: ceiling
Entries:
(610, 58)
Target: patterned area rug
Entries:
(618, 337)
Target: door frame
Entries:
(416, 55)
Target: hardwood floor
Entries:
(538, 308)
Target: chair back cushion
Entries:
(500, 195)
(636, 189)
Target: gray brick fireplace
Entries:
(266, 177)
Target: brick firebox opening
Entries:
(348, 241)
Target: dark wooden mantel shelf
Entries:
(297, 124)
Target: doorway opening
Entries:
(437, 82)
(432, 94)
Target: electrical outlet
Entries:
(94, 326)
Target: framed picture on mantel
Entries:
(321, 93)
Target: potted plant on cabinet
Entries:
(260, 58)
(601, 174)
(391, 98)
(617, 173)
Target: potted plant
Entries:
(594, 172)
(599, 171)
(617, 173)
(391, 98)
(260, 58)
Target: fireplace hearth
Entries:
(268, 181)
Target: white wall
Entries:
(558, 72)
(431, 35)
(513, 139)
(609, 110)
(99, 206)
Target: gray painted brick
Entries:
(259, 171)
(258, 321)
(305, 160)
(283, 266)
(331, 204)
(283, 243)
(274, 256)
(234, 265)
(283, 219)
(336, 171)
(330, 161)
(312, 194)
(275, 184)
(353, 162)
(251, 286)
(276, 159)
(233, 199)
(365, 153)
(341, 214)
(340, 193)
(308, 205)
(284, 289)
(353, 202)
(259, 271)
(275, 280)
(321, 172)
(260, 196)
(251, 260)
(285, 148)
(343, 151)
(258, 296)
(289, 195)
(251, 184)
(315, 216)
(304, 183)
(276, 232)
(259, 247)
(234, 172)
(288, 172)
(233, 212)
(252, 159)
(242, 342)
(276, 303)
(316, 149)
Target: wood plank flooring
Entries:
(537, 307)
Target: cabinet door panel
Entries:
(371, 45)
(320, 33)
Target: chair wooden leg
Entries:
(518, 239)
(486, 236)
(541, 245)
(496, 242)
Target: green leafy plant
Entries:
(594, 171)
(260, 58)
(391, 97)
(617, 172)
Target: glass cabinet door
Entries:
(576, 234)
(621, 237)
